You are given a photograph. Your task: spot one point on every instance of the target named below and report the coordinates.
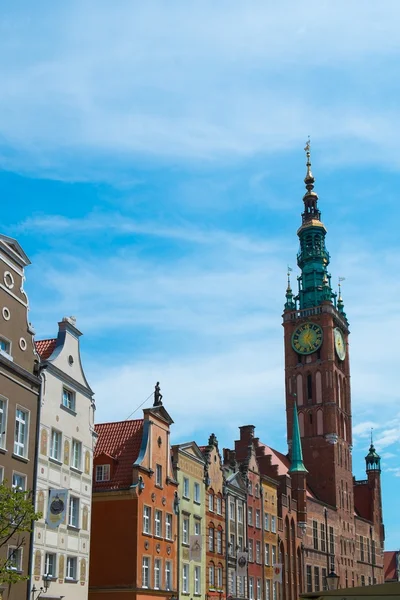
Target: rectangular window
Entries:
(145, 571)
(185, 530)
(168, 575)
(185, 578)
(266, 522)
(241, 585)
(197, 528)
(103, 473)
(250, 487)
(240, 543)
(159, 480)
(55, 445)
(362, 557)
(219, 541)
(157, 573)
(50, 564)
(250, 516)
(14, 561)
(316, 579)
(211, 539)
(68, 399)
(331, 542)
(368, 551)
(363, 580)
(168, 526)
(3, 424)
(258, 518)
(273, 524)
(219, 505)
(250, 550)
(275, 591)
(21, 432)
(197, 581)
(315, 535)
(324, 582)
(323, 537)
(73, 516)
(1, 474)
(240, 513)
(76, 454)
(258, 552)
(211, 502)
(211, 581)
(219, 578)
(19, 481)
(232, 544)
(196, 491)
(5, 346)
(231, 510)
(373, 551)
(267, 589)
(71, 571)
(309, 578)
(267, 556)
(273, 548)
(186, 487)
(146, 519)
(258, 589)
(251, 588)
(158, 523)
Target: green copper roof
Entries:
(297, 465)
(373, 460)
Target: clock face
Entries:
(307, 338)
(340, 346)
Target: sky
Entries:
(152, 166)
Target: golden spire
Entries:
(340, 299)
(308, 164)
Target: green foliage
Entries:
(17, 515)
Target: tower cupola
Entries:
(373, 460)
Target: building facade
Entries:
(189, 464)
(134, 536)
(269, 493)
(65, 460)
(19, 398)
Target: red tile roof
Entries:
(283, 464)
(45, 348)
(119, 442)
(390, 565)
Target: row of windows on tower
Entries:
(308, 389)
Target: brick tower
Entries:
(317, 369)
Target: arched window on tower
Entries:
(309, 389)
(299, 380)
(344, 429)
(320, 422)
(338, 388)
(318, 387)
(301, 423)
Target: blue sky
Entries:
(152, 168)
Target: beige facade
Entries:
(65, 462)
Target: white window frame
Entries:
(73, 511)
(250, 515)
(6, 351)
(266, 522)
(71, 567)
(159, 477)
(273, 555)
(251, 551)
(103, 472)
(68, 399)
(196, 493)
(1, 474)
(157, 573)
(145, 572)
(211, 539)
(211, 502)
(186, 488)
(22, 478)
(47, 570)
(231, 510)
(55, 444)
(219, 578)
(258, 552)
(18, 558)
(219, 505)
(185, 530)
(185, 578)
(219, 541)
(147, 519)
(267, 556)
(259, 594)
(197, 527)
(76, 458)
(168, 526)
(251, 588)
(240, 513)
(258, 518)
(168, 575)
(21, 447)
(211, 576)
(273, 524)
(158, 522)
(3, 421)
(197, 580)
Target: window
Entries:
(55, 445)
(158, 523)
(1, 474)
(197, 581)
(258, 518)
(231, 546)
(250, 488)
(21, 432)
(103, 473)
(168, 526)
(323, 575)
(211, 539)
(168, 571)
(258, 589)
(3, 426)
(50, 564)
(71, 568)
(273, 548)
(250, 550)
(145, 571)
(185, 578)
(267, 589)
(197, 528)
(19, 481)
(211, 576)
(251, 588)
(309, 578)
(273, 524)
(257, 490)
(315, 535)
(267, 556)
(258, 552)
(219, 505)
(219, 577)
(231, 510)
(157, 573)
(241, 585)
(363, 580)
(240, 543)
(275, 591)
(323, 537)
(331, 542)
(362, 557)
(219, 541)
(185, 530)
(211, 502)
(185, 487)
(240, 513)
(5, 346)
(14, 558)
(373, 545)
(146, 519)
(76, 454)
(68, 399)
(266, 522)
(73, 517)
(250, 516)
(316, 579)
(159, 480)
(196, 492)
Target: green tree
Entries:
(17, 515)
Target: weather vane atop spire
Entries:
(371, 436)
(289, 270)
(308, 154)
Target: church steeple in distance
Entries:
(296, 463)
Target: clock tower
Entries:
(317, 369)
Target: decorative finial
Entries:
(340, 299)
(289, 270)
(308, 153)
(372, 443)
(157, 395)
(289, 304)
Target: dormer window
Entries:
(68, 399)
(103, 473)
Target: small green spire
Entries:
(373, 460)
(297, 465)
(290, 303)
(340, 303)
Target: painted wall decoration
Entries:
(85, 518)
(44, 436)
(66, 452)
(61, 567)
(82, 577)
(87, 462)
(37, 564)
(40, 502)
